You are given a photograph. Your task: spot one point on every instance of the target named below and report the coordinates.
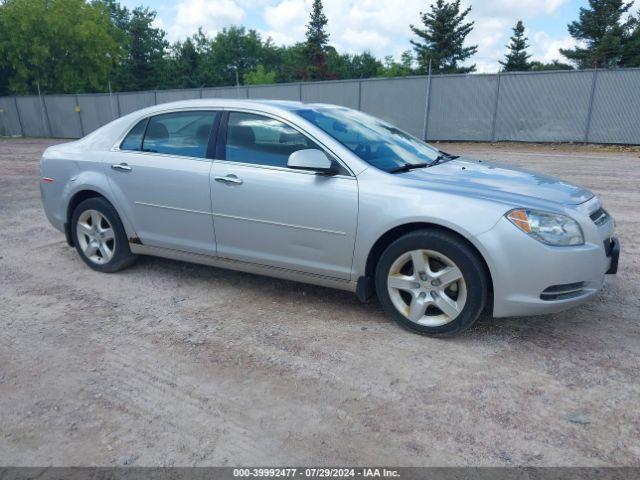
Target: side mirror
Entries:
(314, 160)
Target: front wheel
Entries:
(99, 236)
(431, 282)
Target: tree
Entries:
(185, 64)
(554, 65)
(517, 58)
(292, 62)
(360, 65)
(260, 76)
(145, 48)
(364, 65)
(398, 69)
(442, 38)
(5, 73)
(631, 50)
(58, 45)
(237, 51)
(316, 45)
(602, 32)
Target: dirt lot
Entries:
(169, 363)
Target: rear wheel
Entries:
(99, 236)
(431, 282)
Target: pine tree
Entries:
(631, 51)
(517, 59)
(600, 28)
(442, 38)
(317, 42)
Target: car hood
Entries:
(500, 180)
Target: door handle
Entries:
(229, 179)
(122, 167)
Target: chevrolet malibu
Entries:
(329, 196)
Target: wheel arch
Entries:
(78, 197)
(365, 284)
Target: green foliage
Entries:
(260, 76)
(391, 68)
(603, 32)
(185, 64)
(631, 50)
(143, 65)
(68, 46)
(363, 65)
(291, 62)
(442, 39)
(5, 74)
(234, 51)
(316, 33)
(554, 65)
(517, 58)
(60, 45)
(316, 45)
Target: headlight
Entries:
(549, 228)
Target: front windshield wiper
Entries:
(448, 155)
(408, 166)
(442, 157)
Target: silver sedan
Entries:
(330, 196)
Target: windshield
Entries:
(374, 141)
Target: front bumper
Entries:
(523, 268)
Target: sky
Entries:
(379, 26)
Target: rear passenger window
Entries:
(133, 140)
(182, 133)
(262, 140)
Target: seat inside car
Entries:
(156, 131)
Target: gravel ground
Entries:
(169, 363)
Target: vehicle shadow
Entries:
(586, 320)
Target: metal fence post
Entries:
(44, 114)
(587, 127)
(359, 94)
(79, 110)
(495, 109)
(113, 113)
(15, 101)
(427, 105)
(300, 91)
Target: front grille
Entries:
(563, 292)
(600, 216)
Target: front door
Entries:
(269, 214)
(162, 174)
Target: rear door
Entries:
(269, 214)
(161, 174)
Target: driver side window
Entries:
(262, 140)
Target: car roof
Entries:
(259, 104)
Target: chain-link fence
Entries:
(600, 106)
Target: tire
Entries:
(99, 236)
(413, 298)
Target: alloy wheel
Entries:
(427, 287)
(96, 237)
